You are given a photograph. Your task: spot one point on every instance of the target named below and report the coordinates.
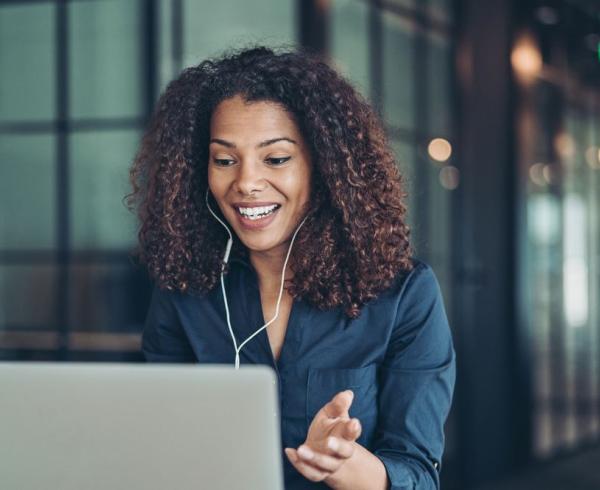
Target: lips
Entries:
(256, 223)
(253, 204)
(277, 206)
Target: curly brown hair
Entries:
(355, 241)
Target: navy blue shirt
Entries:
(397, 357)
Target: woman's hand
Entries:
(330, 440)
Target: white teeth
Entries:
(260, 216)
(257, 211)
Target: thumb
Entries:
(339, 405)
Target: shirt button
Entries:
(436, 465)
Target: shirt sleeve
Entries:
(416, 385)
(163, 337)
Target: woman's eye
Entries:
(225, 162)
(222, 162)
(278, 160)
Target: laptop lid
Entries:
(77, 426)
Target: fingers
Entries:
(349, 429)
(316, 466)
(340, 447)
(305, 468)
(352, 429)
(340, 404)
(321, 461)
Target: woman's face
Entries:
(259, 171)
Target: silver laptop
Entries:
(97, 426)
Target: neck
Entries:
(268, 266)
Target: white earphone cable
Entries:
(225, 260)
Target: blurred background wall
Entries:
(492, 107)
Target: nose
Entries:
(250, 178)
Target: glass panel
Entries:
(559, 151)
(430, 242)
(439, 232)
(544, 273)
(576, 273)
(107, 297)
(99, 182)
(559, 146)
(593, 206)
(543, 212)
(27, 192)
(27, 297)
(404, 3)
(27, 47)
(165, 45)
(440, 65)
(232, 23)
(440, 10)
(350, 41)
(406, 156)
(105, 59)
(398, 71)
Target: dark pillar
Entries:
(492, 400)
(313, 24)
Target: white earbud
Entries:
(225, 260)
(230, 240)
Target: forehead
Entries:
(237, 116)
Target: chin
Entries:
(260, 245)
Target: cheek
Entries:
(216, 183)
(210, 179)
(304, 187)
(297, 186)
(306, 181)
(308, 186)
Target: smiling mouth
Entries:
(257, 213)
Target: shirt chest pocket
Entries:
(324, 383)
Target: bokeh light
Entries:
(449, 177)
(439, 149)
(564, 144)
(592, 157)
(536, 174)
(526, 58)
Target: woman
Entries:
(265, 177)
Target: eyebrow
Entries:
(262, 144)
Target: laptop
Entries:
(100, 426)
